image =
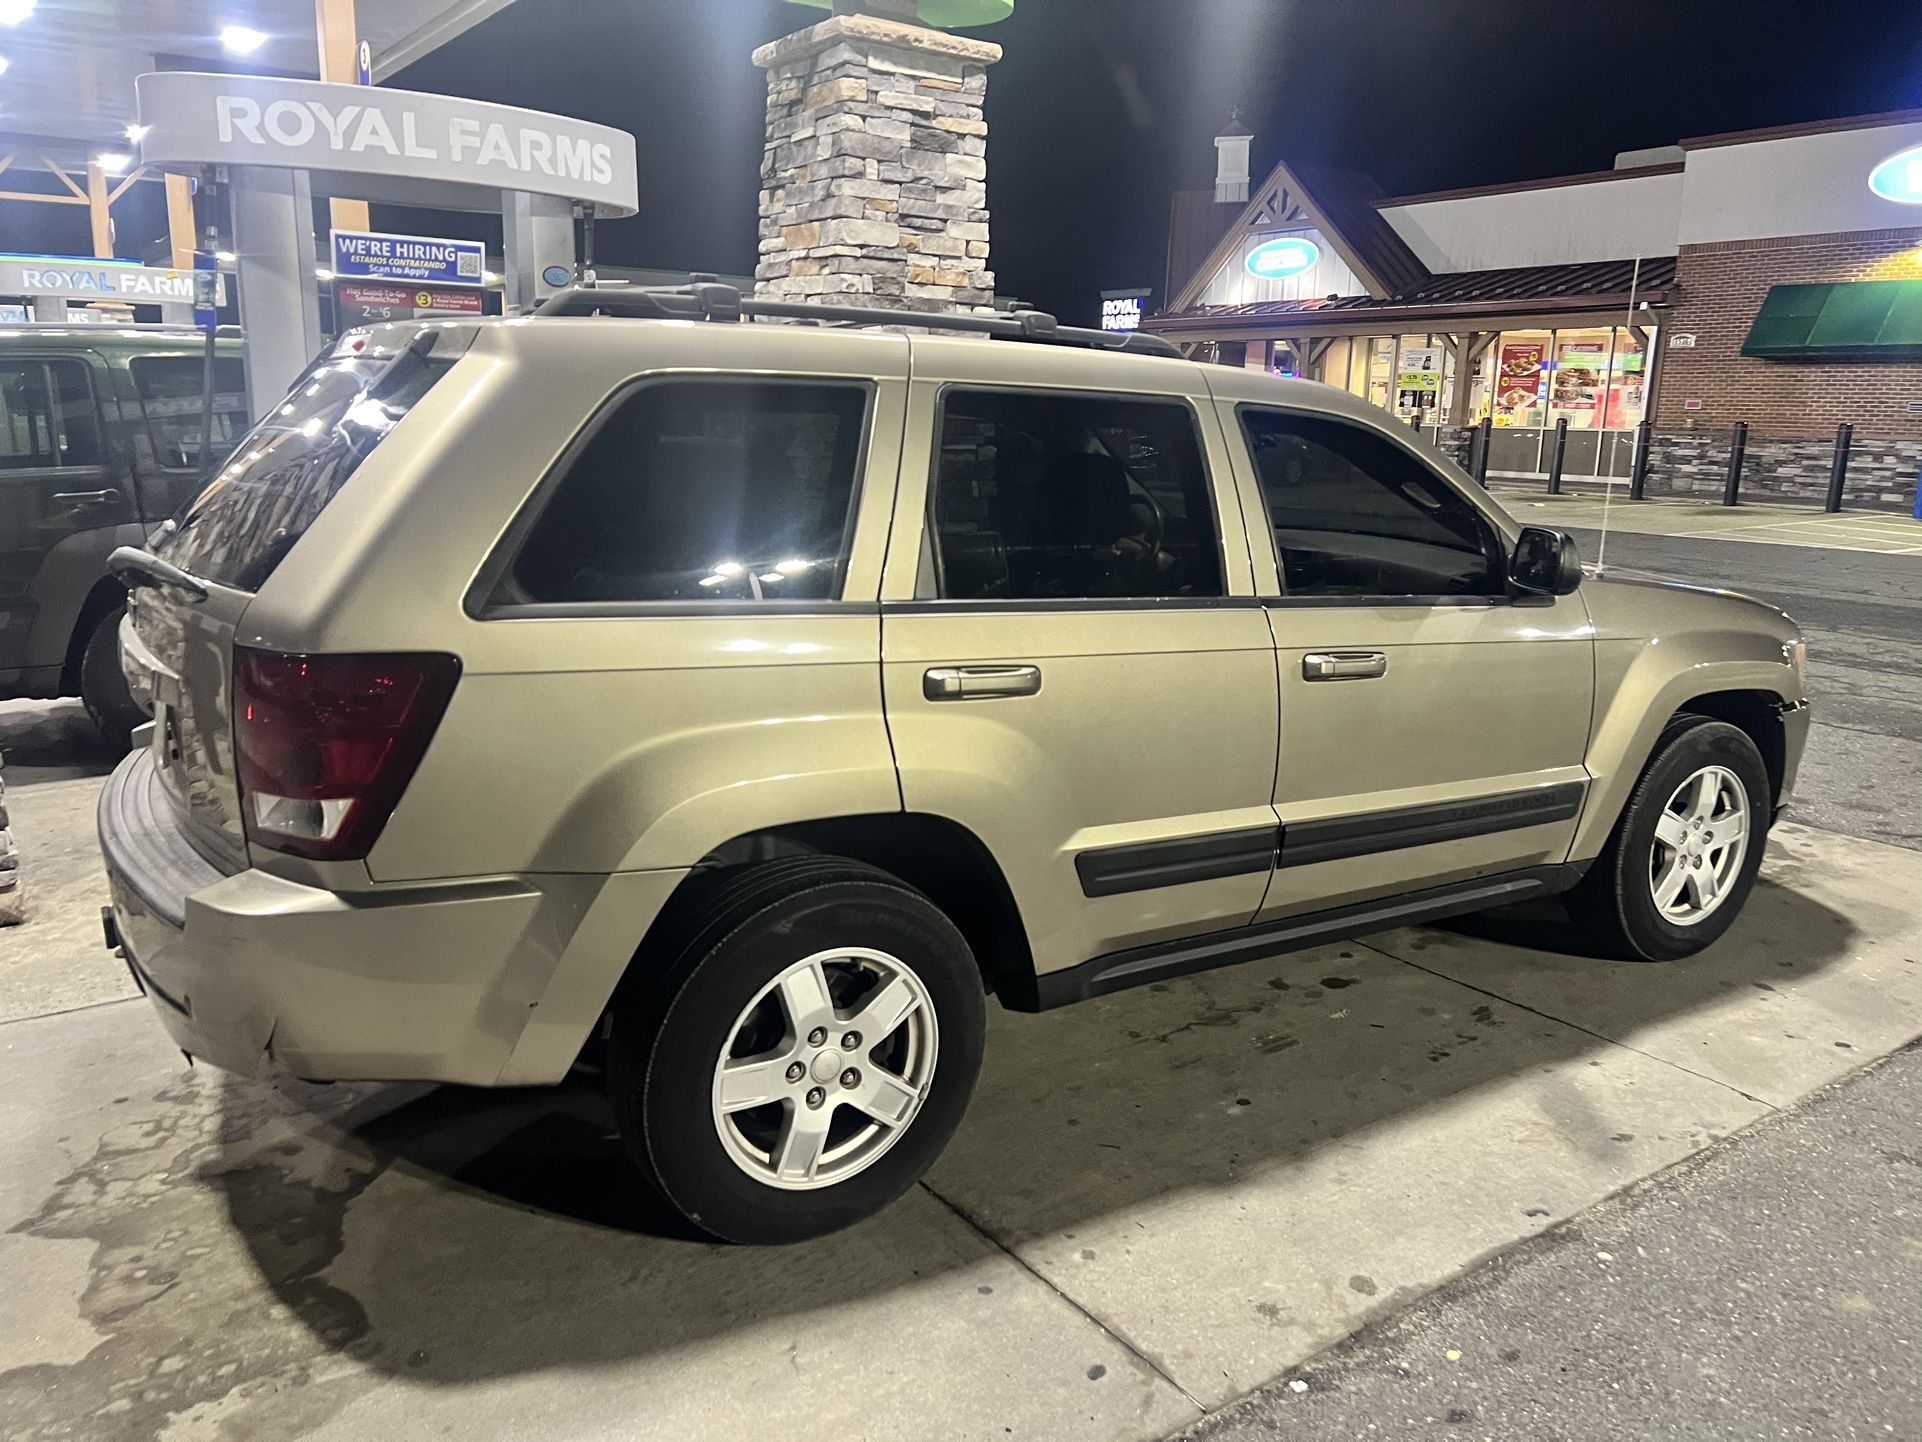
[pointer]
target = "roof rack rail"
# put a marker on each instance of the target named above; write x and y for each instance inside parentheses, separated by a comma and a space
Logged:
(704, 297)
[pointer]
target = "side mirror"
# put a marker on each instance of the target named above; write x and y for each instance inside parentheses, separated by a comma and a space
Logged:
(1545, 562)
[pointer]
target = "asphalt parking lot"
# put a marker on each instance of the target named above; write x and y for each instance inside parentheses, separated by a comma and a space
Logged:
(1160, 1200)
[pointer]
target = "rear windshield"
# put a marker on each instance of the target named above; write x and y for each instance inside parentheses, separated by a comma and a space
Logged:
(286, 470)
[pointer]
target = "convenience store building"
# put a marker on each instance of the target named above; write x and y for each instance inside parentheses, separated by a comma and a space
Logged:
(1772, 277)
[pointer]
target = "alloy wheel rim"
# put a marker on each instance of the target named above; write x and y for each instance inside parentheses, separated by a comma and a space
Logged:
(825, 1069)
(1701, 838)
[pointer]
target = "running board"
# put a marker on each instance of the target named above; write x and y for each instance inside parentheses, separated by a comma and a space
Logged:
(1120, 970)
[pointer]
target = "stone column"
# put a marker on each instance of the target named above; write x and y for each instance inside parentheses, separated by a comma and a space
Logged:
(874, 182)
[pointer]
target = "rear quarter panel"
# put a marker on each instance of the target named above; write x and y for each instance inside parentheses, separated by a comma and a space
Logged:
(601, 743)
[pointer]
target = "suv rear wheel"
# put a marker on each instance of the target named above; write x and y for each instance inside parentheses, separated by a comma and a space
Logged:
(806, 1054)
(1686, 850)
(103, 685)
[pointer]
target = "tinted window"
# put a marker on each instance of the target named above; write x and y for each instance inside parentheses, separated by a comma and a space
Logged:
(169, 387)
(1071, 496)
(293, 463)
(703, 491)
(47, 415)
(1356, 515)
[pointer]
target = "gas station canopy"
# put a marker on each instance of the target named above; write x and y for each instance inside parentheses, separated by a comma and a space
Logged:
(71, 71)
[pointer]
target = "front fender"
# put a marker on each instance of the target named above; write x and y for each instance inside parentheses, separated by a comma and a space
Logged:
(1657, 649)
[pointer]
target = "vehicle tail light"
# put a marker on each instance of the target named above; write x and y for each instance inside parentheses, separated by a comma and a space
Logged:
(325, 745)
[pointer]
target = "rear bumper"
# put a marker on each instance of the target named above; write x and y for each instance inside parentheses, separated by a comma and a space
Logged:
(434, 983)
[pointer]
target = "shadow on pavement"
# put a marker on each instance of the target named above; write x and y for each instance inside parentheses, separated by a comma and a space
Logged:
(467, 1235)
(51, 741)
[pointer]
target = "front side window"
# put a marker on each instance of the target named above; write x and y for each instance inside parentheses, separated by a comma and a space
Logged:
(170, 393)
(699, 490)
(1356, 515)
(1049, 495)
(47, 416)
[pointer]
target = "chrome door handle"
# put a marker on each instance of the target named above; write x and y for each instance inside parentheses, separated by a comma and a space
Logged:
(969, 683)
(87, 498)
(1344, 665)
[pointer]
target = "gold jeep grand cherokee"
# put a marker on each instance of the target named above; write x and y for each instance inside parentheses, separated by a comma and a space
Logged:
(748, 701)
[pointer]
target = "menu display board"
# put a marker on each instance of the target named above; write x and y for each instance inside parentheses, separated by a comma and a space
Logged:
(1520, 380)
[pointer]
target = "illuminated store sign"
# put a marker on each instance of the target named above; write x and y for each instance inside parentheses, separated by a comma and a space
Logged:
(1121, 310)
(1899, 178)
(1290, 255)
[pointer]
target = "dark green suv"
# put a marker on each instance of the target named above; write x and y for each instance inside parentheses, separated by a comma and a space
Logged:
(99, 442)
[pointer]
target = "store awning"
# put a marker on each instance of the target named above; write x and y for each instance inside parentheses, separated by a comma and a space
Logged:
(1463, 300)
(1861, 319)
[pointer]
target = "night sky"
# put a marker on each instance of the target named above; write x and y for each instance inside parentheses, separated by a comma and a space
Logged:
(1102, 107)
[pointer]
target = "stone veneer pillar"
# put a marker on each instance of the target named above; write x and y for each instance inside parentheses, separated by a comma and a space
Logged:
(874, 181)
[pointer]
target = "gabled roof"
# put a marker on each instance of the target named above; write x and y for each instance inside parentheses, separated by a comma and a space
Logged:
(1523, 290)
(1341, 205)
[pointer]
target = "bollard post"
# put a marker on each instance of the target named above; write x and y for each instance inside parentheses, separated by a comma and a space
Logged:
(1638, 472)
(1738, 447)
(1560, 455)
(1839, 467)
(1484, 433)
(1414, 421)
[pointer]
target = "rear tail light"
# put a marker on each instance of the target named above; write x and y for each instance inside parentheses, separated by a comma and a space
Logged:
(325, 745)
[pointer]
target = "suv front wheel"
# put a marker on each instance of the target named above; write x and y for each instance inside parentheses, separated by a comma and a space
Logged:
(1684, 855)
(806, 1054)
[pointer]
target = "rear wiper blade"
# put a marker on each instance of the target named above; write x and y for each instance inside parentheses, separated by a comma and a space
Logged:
(142, 568)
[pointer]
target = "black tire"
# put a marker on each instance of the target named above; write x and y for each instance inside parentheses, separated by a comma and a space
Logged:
(103, 685)
(673, 1021)
(1615, 901)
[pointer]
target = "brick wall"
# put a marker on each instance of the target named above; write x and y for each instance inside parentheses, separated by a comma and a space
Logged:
(1792, 407)
(1723, 286)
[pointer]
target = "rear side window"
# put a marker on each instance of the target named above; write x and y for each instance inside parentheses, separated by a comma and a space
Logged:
(170, 394)
(1061, 496)
(293, 463)
(47, 416)
(702, 490)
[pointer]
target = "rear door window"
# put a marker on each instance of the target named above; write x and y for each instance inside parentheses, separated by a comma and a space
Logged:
(293, 463)
(702, 491)
(170, 394)
(1055, 496)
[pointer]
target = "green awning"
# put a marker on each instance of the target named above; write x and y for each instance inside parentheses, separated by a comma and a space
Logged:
(1851, 320)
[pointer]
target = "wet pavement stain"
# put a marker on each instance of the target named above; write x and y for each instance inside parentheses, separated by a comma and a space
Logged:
(186, 1323)
(1336, 983)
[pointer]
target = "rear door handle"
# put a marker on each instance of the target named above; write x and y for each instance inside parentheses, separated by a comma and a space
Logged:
(87, 498)
(970, 683)
(1344, 665)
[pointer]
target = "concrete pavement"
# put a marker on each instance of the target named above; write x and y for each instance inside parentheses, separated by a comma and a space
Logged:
(1771, 1288)
(1159, 1201)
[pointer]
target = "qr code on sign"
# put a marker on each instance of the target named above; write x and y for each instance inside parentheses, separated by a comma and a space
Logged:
(468, 264)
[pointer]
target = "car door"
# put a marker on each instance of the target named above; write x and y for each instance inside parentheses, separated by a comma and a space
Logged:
(1433, 725)
(58, 481)
(1076, 668)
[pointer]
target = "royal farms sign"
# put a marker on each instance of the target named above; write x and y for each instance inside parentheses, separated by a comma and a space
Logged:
(383, 144)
